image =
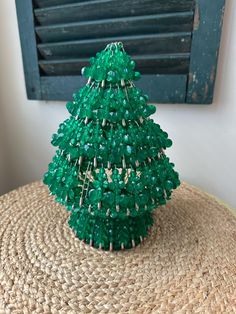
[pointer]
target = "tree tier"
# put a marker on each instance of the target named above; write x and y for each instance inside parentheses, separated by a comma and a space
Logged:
(112, 65)
(111, 104)
(118, 192)
(110, 234)
(112, 144)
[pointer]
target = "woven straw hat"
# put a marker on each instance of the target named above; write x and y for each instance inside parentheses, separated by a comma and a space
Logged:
(186, 265)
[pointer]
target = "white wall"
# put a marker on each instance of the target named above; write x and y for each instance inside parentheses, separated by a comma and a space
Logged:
(204, 136)
(4, 184)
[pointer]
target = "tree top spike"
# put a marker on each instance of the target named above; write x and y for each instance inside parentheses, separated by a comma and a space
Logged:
(117, 44)
(111, 65)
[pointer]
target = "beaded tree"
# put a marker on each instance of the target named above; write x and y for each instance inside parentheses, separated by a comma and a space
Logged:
(110, 169)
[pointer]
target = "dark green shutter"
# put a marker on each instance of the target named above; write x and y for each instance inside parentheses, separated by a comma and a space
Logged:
(174, 42)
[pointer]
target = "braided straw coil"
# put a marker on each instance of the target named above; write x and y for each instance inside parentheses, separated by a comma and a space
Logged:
(186, 265)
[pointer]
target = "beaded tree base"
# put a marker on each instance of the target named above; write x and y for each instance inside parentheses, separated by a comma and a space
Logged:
(110, 234)
(185, 265)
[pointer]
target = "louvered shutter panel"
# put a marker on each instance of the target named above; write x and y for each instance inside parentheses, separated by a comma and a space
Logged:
(59, 36)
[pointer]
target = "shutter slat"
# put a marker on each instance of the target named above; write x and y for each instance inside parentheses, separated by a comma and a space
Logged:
(51, 3)
(160, 23)
(161, 88)
(145, 44)
(100, 9)
(160, 64)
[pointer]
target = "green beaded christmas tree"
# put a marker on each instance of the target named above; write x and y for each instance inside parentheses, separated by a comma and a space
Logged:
(110, 169)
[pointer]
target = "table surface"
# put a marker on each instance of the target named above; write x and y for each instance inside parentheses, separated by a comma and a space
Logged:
(186, 265)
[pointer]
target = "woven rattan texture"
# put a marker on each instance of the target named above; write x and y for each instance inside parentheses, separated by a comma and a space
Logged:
(187, 265)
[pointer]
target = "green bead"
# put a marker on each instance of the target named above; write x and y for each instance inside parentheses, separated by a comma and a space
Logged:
(142, 198)
(129, 150)
(137, 75)
(96, 183)
(92, 60)
(169, 185)
(111, 76)
(99, 74)
(152, 109)
(132, 64)
(94, 195)
(126, 138)
(109, 198)
(168, 143)
(85, 71)
(123, 200)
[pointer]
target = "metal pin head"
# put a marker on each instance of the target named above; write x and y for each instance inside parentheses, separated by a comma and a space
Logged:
(89, 81)
(123, 163)
(165, 195)
(103, 122)
(95, 162)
